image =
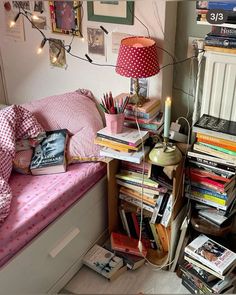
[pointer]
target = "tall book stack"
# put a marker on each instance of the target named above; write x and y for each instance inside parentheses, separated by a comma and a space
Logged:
(149, 116)
(211, 171)
(208, 267)
(125, 146)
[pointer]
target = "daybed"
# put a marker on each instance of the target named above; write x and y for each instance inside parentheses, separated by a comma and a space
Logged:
(54, 219)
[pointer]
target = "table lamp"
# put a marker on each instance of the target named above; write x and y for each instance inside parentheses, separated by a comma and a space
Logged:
(137, 58)
(164, 153)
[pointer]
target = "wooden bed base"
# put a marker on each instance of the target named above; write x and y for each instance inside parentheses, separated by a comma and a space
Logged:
(47, 263)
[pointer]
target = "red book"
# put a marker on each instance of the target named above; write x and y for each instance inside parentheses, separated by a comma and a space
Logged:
(123, 243)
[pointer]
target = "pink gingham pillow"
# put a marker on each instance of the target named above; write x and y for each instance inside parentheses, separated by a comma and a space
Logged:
(77, 112)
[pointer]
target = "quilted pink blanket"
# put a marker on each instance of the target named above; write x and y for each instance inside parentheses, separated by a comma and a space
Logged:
(15, 123)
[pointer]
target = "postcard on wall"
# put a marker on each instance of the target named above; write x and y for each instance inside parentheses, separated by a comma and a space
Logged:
(57, 53)
(17, 32)
(116, 39)
(40, 22)
(38, 6)
(21, 4)
(143, 84)
(96, 41)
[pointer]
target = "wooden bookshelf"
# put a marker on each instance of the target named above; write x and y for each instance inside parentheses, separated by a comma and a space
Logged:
(178, 199)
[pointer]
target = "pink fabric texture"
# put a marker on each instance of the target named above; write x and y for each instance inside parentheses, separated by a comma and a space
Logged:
(16, 123)
(77, 112)
(38, 200)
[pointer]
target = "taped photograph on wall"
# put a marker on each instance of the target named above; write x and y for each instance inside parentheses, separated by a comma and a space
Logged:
(120, 12)
(57, 54)
(96, 43)
(65, 17)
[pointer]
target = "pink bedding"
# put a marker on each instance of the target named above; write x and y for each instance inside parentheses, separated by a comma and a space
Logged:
(38, 200)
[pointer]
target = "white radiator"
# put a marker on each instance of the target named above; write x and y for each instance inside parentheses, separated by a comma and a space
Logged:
(219, 88)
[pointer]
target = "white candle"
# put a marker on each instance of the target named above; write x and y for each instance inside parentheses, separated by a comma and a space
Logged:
(167, 117)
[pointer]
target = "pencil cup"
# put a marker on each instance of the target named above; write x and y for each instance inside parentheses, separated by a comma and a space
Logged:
(115, 122)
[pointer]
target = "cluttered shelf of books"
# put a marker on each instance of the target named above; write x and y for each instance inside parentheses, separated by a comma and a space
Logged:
(168, 234)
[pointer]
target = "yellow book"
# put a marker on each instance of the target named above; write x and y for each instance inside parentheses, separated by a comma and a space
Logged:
(115, 145)
(209, 198)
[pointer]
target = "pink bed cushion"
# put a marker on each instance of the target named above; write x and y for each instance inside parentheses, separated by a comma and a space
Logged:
(77, 112)
(21, 162)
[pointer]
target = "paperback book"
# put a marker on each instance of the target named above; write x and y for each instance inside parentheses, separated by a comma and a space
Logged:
(211, 254)
(49, 155)
(102, 261)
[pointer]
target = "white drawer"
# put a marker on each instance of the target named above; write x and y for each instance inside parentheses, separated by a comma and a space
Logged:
(57, 248)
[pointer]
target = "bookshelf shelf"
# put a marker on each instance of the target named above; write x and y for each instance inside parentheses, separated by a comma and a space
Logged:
(177, 212)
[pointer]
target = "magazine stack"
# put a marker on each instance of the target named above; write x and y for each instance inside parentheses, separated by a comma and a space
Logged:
(208, 267)
(210, 173)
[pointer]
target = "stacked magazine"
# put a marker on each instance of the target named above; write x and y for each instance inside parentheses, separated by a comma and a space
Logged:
(208, 267)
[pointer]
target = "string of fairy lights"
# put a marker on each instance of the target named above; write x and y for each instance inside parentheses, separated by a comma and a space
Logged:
(74, 32)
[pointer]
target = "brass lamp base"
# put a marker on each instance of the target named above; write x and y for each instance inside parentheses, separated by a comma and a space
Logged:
(137, 99)
(164, 154)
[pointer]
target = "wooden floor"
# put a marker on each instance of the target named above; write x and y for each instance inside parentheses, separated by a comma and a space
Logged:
(144, 279)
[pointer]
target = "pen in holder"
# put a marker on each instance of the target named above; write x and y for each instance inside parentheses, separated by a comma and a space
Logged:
(114, 112)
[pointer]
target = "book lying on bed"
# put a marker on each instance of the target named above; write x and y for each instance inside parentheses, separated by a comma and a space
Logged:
(49, 155)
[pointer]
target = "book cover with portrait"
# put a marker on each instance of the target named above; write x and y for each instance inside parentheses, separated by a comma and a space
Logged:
(211, 254)
(49, 154)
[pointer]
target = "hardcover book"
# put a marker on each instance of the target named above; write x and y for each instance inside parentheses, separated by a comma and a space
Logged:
(123, 243)
(49, 154)
(102, 261)
(211, 254)
(216, 127)
(147, 107)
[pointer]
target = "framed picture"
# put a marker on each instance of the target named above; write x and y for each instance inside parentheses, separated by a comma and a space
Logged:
(65, 17)
(120, 12)
(96, 44)
(57, 53)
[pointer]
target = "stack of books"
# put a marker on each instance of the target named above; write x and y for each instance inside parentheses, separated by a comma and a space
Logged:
(203, 8)
(208, 267)
(149, 116)
(125, 146)
(140, 188)
(211, 171)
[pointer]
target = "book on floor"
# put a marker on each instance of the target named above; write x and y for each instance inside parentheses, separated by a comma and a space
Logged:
(211, 254)
(216, 127)
(123, 243)
(49, 154)
(103, 261)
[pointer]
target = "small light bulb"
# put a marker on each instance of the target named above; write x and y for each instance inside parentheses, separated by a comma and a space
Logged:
(35, 17)
(39, 50)
(54, 59)
(12, 24)
(82, 39)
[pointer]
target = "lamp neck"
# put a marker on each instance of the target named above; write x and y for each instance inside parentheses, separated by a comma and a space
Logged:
(136, 86)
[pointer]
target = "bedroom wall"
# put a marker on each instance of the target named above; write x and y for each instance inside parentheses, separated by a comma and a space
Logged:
(29, 76)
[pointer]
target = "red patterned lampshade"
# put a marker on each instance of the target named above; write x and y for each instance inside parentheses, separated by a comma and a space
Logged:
(137, 58)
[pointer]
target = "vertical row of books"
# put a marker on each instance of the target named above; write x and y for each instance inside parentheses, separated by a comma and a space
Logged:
(211, 171)
(208, 267)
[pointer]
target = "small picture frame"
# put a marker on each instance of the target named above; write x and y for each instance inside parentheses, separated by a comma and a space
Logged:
(96, 41)
(119, 12)
(65, 17)
(57, 53)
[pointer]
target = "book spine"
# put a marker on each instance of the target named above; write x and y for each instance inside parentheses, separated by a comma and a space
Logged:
(208, 197)
(120, 156)
(124, 222)
(189, 285)
(210, 193)
(146, 109)
(156, 237)
(135, 202)
(165, 221)
(116, 139)
(216, 141)
(223, 31)
(213, 133)
(207, 150)
(217, 148)
(164, 234)
(205, 181)
(146, 188)
(212, 161)
(204, 201)
(146, 181)
(148, 200)
(156, 209)
(224, 5)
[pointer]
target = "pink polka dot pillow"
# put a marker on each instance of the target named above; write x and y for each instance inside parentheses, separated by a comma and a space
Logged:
(77, 112)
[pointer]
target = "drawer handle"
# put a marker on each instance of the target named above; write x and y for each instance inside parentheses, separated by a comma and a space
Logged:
(62, 244)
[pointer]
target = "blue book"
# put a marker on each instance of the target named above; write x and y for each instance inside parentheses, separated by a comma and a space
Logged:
(210, 192)
(225, 5)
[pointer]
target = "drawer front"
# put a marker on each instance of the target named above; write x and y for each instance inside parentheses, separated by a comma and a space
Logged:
(59, 246)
